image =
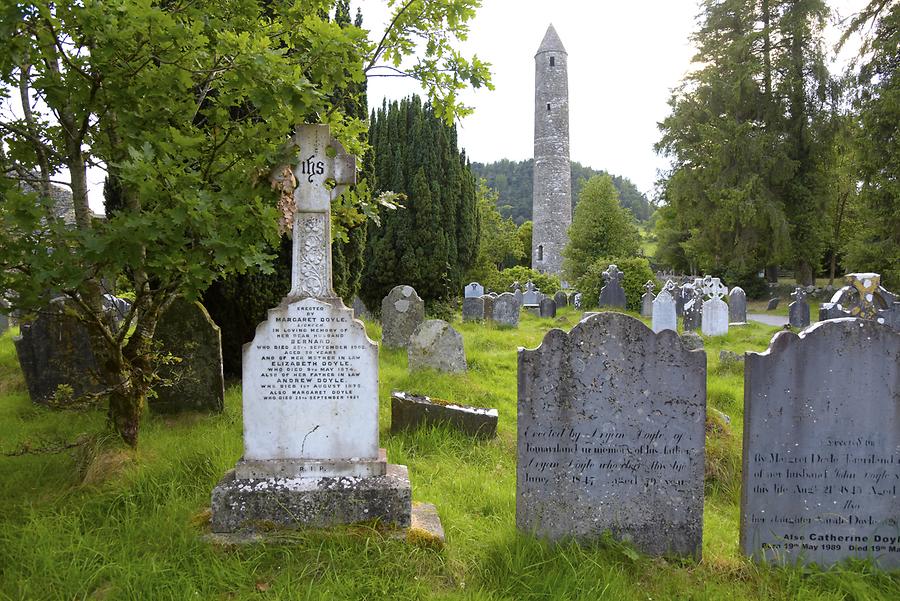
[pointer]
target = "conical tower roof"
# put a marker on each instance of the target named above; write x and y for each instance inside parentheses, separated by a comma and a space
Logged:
(551, 42)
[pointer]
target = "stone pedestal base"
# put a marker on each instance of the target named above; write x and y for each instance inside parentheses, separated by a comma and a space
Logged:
(260, 505)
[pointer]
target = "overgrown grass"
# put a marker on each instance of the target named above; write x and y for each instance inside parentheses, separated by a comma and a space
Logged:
(106, 523)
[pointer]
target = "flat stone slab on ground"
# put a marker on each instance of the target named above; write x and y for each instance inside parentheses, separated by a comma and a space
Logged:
(409, 411)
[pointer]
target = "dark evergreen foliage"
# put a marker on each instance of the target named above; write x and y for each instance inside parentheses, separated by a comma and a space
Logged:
(431, 242)
(514, 181)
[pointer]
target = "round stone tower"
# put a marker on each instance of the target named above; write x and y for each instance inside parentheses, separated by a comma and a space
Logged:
(552, 203)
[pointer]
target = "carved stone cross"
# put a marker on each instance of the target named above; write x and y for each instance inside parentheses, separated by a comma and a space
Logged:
(799, 294)
(650, 286)
(612, 275)
(714, 288)
(669, 287)
(323, 171)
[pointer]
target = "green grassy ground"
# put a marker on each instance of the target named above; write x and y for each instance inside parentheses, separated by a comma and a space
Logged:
(101, 522)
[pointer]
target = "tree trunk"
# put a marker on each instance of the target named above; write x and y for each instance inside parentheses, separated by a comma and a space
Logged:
(772, 274)
(803, 273)
(125, 408)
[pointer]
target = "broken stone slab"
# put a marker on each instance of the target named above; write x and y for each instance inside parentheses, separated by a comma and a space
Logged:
(409, 411)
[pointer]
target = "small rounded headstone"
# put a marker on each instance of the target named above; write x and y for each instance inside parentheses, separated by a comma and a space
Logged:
(436, 345)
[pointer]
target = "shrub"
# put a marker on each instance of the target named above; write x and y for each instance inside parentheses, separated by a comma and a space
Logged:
(548, 284)
(637, 271)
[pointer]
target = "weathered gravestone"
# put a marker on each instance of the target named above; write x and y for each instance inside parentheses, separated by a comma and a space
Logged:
(611, 422)
(473, 309)
(773, 304)
(474, 290)
(577, 300)
(401, 313)
(715, 312)
(693, 310)
(663, 310)
(548, 308)
(436, 345)
(56, 357)
(798, 311)
(821, 465)
(647, 299)
(310, 386)
(196, 381)
(488, 306)
(684, 295)
(520, 297)
(506, 310)
(612, 294)
(561, 299)
(737, 305)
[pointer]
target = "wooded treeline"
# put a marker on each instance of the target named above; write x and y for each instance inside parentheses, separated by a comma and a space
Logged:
(777, 162)
(514, 182)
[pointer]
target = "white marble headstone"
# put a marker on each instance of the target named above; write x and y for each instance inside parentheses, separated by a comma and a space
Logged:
(664, 316)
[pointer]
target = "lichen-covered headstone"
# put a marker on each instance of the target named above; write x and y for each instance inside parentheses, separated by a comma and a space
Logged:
(773, 304)
(821, 463)
(693, 310)
(436, 345)
(612, 294)
(520, 297)
(647, 299)
(862, 296)
(196, 381)
(474, 290)
(663, 310)
(692, 341)
(561, 299)
(798, 311)
(488, 306)
(473, 309)
(506, 311)
(737, 305)
(611, 421)
(548, 308)
(714, 321)
(401, 313)
(684, 295)
(56, 356)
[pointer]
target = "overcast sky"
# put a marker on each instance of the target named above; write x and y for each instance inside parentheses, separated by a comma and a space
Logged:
(624, 59)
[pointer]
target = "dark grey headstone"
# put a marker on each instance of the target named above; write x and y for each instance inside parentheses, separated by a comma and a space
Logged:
(506, 310)
(548, 308)
(890, 316)
(798, 311)
(56, 356)
(612, 294)
(611, 422)
(360, 311)
(196, 382)
(684, 294)
(647, 304)
(409, 411)
(693, 311)
(821, 469)
(520, 297)
(561, 299)
(473, 309)
(773, 304)
(692, 341)
(737, 305)
(401, 313)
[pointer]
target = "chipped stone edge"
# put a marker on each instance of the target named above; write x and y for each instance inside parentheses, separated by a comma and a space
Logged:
(490, 412)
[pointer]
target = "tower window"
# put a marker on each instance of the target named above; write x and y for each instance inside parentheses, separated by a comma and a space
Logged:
(540, 252)
(552, 61)
(548, 106)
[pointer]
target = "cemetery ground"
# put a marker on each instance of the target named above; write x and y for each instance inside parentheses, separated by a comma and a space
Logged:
(100, 522)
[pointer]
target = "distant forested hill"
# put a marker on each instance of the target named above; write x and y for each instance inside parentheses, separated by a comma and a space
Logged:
(514, 182)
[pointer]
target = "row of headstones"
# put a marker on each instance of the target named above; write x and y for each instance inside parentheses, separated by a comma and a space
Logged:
(611, 438)
(59, 364)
